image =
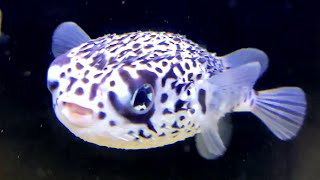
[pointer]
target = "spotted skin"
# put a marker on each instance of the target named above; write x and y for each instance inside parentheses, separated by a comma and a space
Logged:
(103, 74)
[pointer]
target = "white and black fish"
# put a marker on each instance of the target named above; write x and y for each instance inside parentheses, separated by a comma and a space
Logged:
(148, 89)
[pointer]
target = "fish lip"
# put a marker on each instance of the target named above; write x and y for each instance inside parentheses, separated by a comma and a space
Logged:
(77, 109)
(77, 115)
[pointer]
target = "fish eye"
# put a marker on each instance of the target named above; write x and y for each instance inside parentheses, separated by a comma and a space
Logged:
(142, 99)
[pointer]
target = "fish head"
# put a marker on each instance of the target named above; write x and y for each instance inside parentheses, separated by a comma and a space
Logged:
(113, 102)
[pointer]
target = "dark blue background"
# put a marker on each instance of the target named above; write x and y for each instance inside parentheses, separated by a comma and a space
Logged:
(34, 145)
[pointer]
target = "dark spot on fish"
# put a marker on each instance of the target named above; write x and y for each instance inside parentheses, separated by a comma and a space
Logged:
(174, 132)
(202, 60)
(164, 63)
(178, 46)
(158, 70)
(99, 61)
(190, 75)
(147, 40)
(97, 75)
(188, 92)
(163, 43)
(166, 111)
(160, 51)
(181, 118)
(162, 134)
(176, 39)
(175, 125)
(105, 77)
(199, 76)
(86, 72)
(149, 65)
(93, 91)
(187, 86)
(194, 64)
(62, 75)
(124, 52)
(79, 91)
(173, 84)
(138, 51)
(79, 66)
(251, 102)
(112, 60)
(163, 125)
(112, 83)
(53, 85)
(169, 74)
(128, 60)
(112, 123)
(148, 46)
(164, 97)
(141, 134)
(180, 68)
(101, 115)
(136, 45)
(179, 88)
(179, 57)
(170, 57)
(72, 81)
(186, 65)
(157, 58)
(85, 80)
(192, 111)
(202, 100)
(130, 132)
(178, 105)
(69, 70)
(100, 105)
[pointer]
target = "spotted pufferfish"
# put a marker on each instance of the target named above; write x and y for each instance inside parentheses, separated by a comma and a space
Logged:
(142, 90)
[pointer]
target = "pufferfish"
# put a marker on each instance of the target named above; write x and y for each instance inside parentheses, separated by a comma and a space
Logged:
(148, 89)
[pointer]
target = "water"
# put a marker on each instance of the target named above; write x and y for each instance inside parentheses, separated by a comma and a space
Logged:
(34, 145)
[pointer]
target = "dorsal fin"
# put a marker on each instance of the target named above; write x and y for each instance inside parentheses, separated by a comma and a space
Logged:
(244, 56)
(67, 36)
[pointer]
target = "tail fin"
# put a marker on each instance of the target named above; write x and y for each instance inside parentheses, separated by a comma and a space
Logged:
(282, 110)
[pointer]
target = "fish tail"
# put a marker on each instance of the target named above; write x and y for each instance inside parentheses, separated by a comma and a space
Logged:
(282, 110)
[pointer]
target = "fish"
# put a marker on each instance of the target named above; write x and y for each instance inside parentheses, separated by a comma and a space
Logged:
(148, 89)
(4, 38)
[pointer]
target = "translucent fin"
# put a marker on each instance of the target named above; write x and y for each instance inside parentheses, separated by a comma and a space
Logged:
(243, 76)
(244, 56)
(213, 139)
(67, 36)
(282, 110)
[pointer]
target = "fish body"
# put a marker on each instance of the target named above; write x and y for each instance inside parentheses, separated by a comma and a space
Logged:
(141, 90)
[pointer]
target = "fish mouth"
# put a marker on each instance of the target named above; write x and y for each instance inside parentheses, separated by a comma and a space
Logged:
(77, 115)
